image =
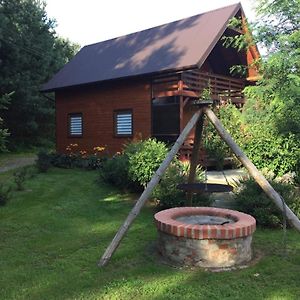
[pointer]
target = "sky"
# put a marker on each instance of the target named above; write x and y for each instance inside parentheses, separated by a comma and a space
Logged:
(90, 21)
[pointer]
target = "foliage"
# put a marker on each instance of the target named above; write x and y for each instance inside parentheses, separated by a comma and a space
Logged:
(135, 166)
(252, 199)
(213, 144)
(43, 161)
(4, 101)
(4, 194)
(257, 136)
(185, 170)
(114, 171)
(167, 192)
(144, 162)
(30, 53)
(270, 119)
(278, 153)
(67, 161)
(66, 219)
(19, 178)
(74, 158)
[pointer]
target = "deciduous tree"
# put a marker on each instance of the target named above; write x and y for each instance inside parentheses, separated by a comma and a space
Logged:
(30, 52)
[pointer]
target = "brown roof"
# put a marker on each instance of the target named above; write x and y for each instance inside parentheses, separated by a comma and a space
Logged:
(177, 45)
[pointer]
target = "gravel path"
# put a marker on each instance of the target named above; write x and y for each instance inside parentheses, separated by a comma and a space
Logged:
(17, 163)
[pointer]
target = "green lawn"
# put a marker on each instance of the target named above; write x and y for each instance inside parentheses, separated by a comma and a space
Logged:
(53, 233)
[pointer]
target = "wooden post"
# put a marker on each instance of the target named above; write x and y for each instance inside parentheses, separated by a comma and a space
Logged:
(148, 190)
(259, 178)
(181, 113)
(195, 157)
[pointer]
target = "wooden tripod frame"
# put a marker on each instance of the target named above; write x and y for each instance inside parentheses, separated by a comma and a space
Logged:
(197, 120)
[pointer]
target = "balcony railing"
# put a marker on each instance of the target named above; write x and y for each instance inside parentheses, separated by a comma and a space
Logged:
(192, 83)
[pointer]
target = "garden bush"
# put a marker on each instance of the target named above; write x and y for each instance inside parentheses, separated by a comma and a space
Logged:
(278, 153)
(254, 130)
(167, 192)
(145, 160)
(73, 159)
(44, 161)
(19, 178)
(252, 199)
(213, 144)
(115, 171)
(135, 166)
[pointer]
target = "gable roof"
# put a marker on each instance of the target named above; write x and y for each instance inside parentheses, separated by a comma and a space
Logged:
(173, 46)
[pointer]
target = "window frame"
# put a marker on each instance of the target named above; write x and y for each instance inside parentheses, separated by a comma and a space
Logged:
(120, 112)
(70, 115)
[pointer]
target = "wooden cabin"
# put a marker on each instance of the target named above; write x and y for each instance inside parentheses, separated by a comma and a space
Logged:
(143, 84)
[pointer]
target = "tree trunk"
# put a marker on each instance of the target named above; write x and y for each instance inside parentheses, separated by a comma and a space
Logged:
(195, 158)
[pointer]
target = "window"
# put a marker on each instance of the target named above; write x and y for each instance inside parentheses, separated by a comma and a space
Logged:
(166, 119)
(75, 124)
(123, 122)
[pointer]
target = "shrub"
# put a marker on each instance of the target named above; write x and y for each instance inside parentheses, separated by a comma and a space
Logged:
(62, 160)
(255, 132)
(167, 192)
(144, 158)
(68, 161)
(4, 194)
(278, 153)
(44, 161)
(135, 166)
(213, 144)
(19, 178)
(115, 171)
(252, 199)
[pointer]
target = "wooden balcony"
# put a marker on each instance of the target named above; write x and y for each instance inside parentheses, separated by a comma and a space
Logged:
(191, 83)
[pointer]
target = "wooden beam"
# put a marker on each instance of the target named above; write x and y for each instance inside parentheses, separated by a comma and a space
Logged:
(176, 93)
(148, 190)
(181, 105)
(259, 178)
(186, 101)
(195, 157)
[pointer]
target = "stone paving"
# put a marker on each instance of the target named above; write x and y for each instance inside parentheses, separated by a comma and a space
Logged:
(230, 175)
(17, 163)
(225, 200)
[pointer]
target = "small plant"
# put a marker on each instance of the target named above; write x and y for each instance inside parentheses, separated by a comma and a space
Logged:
(4, 194)
(185, 171)
(44, 161)
(19, 178)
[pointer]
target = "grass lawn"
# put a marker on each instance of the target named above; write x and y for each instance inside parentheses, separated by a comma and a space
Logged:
(53, 233)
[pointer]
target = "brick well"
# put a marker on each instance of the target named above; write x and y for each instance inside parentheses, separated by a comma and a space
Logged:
(205, 245)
